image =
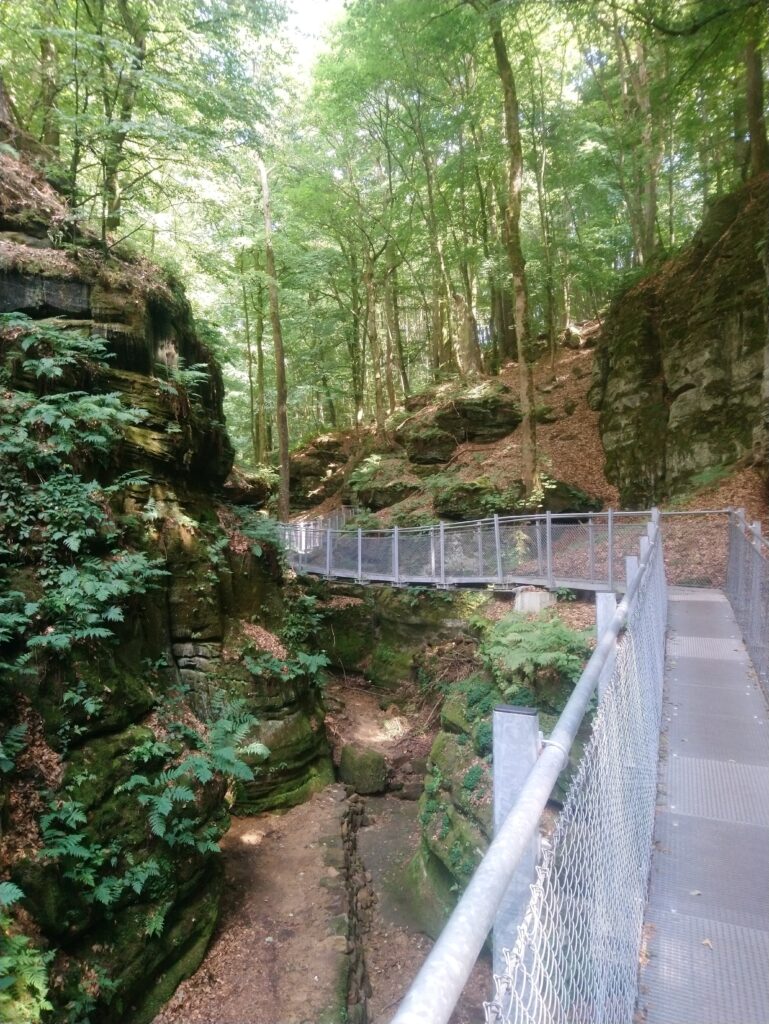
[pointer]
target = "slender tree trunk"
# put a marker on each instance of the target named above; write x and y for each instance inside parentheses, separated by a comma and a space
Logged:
(394, 326)
(354, 347)
(119, 120)
(50, 133)
(262, 438)
(512, 234)
(373, 342)
(389, 369)
(759, 146)
(250, 368)
(281, 390)
(468, 352)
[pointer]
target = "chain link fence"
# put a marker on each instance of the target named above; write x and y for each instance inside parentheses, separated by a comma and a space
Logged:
(747, 587)
(575, 959)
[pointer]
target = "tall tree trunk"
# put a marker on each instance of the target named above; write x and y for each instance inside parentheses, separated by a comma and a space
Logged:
(354, 344)
(262, 437)
(50, 133)
(512, 235)
(119, 119)
(373, 342)
(759, 146)
(394, 325)
(389, 368)
(468, 352)
(249, 366)
(281, 400)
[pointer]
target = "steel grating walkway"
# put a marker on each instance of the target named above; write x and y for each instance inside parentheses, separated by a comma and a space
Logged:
(707, 919)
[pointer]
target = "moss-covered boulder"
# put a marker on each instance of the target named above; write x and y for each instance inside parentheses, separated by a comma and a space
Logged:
(426, 444)
(560, 497)
(363, 769)
(449, 416)
(381, 480)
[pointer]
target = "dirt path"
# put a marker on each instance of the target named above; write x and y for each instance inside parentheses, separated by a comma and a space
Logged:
(273, 960)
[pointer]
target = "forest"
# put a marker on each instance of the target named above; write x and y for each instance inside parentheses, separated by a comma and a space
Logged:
(452, 186)
(341, 343)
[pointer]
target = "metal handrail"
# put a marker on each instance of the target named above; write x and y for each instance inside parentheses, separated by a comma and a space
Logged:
(436, 989)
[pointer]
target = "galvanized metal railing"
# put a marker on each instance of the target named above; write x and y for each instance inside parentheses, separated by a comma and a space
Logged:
(581, 552)
(747, 587)
(575, 954)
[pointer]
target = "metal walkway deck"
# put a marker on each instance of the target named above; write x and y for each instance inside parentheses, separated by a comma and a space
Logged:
(707, 919)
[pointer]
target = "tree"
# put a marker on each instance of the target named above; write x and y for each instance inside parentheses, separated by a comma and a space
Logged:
(512, 235)
(277, 340)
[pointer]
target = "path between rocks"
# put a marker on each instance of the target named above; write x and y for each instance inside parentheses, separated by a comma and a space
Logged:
(277, 956)
(274, 958)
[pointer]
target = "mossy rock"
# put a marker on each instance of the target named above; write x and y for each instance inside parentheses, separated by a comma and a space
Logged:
(363, 769)
(561, 497)
(454, 715)
(346, 633)
(485, 412)
(391, 665)
(463, 500)
(280, 795)
(428, 891)
(456, 842)
(299, 763)
(426, 444)
(147, 970)
(377, 495)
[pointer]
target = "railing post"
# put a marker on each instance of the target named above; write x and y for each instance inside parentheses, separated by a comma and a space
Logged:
(631, 570)
(610, 543)
(591, 547)
(516, 740)
(328, 551)
(433, 571)
(360, 554)
(442, 552)
(479, 531)
(498, 549)
(605, 610)
(755, 589)
(549, 548)
(396, 563)
(538, 533)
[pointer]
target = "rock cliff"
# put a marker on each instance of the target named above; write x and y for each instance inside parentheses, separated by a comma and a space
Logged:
(683, 358)
(146, 694)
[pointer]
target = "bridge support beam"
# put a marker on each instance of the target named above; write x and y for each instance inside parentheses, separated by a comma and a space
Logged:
(517, 742)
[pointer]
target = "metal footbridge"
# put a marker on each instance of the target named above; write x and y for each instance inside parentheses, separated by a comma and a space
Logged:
(648, 901)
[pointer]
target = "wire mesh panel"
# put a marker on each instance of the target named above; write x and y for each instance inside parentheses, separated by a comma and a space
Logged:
(696, 545)
(344, 553)
(463, 546)
(524, 548)
(377, 555)
(573, 554)
(575, 958)
(747, 587)
(418, 559)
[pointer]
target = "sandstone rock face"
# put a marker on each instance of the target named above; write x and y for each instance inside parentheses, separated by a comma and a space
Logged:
(683, 355)
(110, 710)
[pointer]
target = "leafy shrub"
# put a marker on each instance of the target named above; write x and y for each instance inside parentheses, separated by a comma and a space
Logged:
(51, 518)
(534, 661)
(23, 967)
(474, 776)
